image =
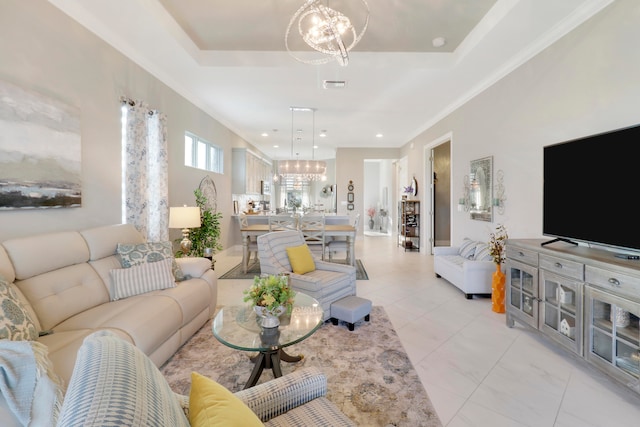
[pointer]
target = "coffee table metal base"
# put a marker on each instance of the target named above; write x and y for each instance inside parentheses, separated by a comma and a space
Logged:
(269, 359)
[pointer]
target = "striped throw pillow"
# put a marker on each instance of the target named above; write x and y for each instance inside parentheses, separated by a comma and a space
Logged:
(140, 279)
(467, 248)
(482, 252)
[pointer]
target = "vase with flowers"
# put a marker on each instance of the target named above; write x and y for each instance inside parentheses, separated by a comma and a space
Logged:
(271, 296)
(497, 242)
(371, 212)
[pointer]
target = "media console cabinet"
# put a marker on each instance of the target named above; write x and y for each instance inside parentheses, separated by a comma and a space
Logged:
(585, 299)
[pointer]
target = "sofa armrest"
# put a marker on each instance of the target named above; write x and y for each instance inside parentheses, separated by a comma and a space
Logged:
(275, 397)
(193, 266)
(445, 250)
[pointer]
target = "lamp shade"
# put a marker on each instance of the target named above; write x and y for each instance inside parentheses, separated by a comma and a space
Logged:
(184, 217)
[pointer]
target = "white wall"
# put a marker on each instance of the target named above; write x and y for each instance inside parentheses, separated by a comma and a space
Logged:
(586, 83)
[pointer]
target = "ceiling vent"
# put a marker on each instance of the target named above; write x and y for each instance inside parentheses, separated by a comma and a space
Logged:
(334, 84)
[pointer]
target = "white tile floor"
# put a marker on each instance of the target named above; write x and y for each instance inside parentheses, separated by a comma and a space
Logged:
(476, 371)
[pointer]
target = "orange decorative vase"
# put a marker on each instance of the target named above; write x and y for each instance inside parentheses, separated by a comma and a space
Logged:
(497, 290)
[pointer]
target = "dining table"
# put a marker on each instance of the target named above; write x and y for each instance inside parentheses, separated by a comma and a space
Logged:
(330, 230)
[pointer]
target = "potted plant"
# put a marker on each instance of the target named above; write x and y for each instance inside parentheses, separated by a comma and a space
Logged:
(205, 240)
(271, 297)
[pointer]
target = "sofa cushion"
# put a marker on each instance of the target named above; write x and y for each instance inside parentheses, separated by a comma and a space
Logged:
(467, 248)
(15, 321)
(132, 255)
(482, 252)
(114, 383)
(60, 294)
(58, 250)
(103, 241)
(211, 404)
(140, 279)
(301, 259)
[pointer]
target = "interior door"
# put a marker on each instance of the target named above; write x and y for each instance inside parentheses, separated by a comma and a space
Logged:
(439, 172)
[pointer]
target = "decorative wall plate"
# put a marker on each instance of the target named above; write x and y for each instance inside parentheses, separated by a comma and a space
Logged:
(208, 188)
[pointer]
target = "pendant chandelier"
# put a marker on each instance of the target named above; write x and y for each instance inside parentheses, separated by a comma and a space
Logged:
(302, 170)
(325, 30)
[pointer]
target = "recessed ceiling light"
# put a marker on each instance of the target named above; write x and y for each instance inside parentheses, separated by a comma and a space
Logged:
(323, 133)
(265, 134)
(439, 42)
(379, 135)
(315, 147)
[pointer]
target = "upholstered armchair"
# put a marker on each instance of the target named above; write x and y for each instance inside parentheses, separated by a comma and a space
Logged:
(329, 282)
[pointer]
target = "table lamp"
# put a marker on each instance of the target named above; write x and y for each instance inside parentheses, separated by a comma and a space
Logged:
(184, 217)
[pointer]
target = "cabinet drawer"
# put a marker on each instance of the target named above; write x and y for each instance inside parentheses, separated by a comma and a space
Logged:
(566, 268)
(621, 284)
(523, 255)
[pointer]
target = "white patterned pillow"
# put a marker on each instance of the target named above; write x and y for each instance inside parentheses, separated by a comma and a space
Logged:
(15, 322)
(467, 249)
(132, 255)
(114, 383)
(140, 279)
(482, 252)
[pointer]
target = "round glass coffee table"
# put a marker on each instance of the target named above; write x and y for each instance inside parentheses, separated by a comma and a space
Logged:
(239, 327)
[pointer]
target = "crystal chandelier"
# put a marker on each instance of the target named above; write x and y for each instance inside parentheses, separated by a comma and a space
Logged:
(325, 30)
(302, 170)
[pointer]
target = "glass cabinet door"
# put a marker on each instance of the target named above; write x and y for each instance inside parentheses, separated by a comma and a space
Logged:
(561, 310)
(613, 334)
(522, 293)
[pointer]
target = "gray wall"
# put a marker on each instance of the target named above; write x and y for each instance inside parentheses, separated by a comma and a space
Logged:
(45, 51)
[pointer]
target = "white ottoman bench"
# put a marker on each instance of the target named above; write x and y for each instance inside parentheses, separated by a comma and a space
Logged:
(350, 309)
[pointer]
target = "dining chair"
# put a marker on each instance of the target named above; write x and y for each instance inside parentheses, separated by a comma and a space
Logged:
(339, 244)
(282, 222)
(328, 282)
(312, 228)
(252, 243)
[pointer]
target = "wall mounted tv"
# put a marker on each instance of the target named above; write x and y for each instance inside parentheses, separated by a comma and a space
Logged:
(590, 186)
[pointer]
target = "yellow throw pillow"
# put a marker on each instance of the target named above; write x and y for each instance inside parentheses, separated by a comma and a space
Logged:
(301, 259)
(210, 404)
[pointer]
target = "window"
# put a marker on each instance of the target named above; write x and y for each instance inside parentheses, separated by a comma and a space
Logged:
(201, 154)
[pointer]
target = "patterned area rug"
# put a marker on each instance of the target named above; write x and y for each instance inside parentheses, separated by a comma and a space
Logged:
(254, 269)
(370, 377)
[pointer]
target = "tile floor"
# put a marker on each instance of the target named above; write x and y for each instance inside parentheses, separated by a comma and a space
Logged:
(476, 371)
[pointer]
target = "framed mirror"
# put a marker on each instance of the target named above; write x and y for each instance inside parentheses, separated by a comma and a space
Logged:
(350, 197)
(481, 189)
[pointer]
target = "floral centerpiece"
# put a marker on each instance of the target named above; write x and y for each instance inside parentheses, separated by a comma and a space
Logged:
(497, 242)
(271, 295)
(371, 212)
(408, 190)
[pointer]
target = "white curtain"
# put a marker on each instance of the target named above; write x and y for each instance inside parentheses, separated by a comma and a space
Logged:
(145, 194)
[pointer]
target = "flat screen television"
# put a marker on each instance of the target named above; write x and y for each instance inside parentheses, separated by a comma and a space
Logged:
(590, 186)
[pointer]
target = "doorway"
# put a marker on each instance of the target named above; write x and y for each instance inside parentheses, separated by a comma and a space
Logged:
(438, 169)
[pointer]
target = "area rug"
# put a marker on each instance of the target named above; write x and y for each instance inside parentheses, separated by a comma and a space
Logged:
(370, 377)
(254, 269)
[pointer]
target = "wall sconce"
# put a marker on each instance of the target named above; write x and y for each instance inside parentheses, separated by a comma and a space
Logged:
(185, 217)
(464, 203)
(499, 199)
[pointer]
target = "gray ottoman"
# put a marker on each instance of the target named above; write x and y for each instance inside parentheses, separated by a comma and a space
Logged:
(350, 309)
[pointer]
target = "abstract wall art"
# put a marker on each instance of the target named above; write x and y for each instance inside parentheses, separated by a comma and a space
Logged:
(40, 151)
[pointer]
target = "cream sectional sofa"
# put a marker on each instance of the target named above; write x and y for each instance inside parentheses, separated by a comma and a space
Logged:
(64, 281)
(469, 266)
